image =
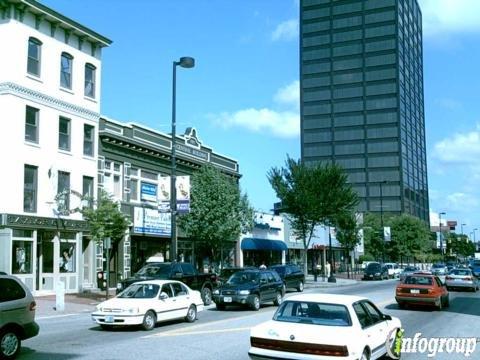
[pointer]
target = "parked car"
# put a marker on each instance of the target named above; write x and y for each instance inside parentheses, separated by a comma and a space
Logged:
(184, 272)
(251, 288)
(147, 302)
(292, 276)
(422, 289)
(393, 270)
(409, 270)
(475, 267)
(461, 278)
(324, 326)
(365, 264)
(17, 315)
(375, 271)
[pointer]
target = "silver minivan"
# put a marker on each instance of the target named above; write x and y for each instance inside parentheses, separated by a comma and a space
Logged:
(17, 315)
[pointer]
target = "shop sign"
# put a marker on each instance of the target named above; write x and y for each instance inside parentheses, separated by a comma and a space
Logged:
(150, 221)
(148, 192)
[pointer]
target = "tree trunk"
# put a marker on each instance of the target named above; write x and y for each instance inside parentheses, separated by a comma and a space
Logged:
(305, 263)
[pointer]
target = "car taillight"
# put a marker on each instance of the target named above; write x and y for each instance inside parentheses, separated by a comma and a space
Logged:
(467, 278)
(448, 278)
(33, 306)
(430, 291)
(399, 290)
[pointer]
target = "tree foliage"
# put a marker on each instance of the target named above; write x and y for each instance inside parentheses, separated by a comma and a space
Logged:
(459, 245)
(105, 219)
(373, 244)
(347, 230)
(410, 237)
(311, 195)
(219, 213)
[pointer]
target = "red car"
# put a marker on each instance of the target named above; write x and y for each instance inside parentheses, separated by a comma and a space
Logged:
(422, 289)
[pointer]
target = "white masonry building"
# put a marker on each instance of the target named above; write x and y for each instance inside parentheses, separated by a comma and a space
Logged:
(50, 70)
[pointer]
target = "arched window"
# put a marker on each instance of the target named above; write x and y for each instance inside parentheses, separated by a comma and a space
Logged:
(34, 55)
(66, 64)
(90, 71)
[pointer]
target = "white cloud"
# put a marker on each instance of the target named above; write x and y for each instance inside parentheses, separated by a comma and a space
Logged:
(289, 95)
(447, 16)
(284, 123)
(287, 30)
(459, 149)
(460, 201)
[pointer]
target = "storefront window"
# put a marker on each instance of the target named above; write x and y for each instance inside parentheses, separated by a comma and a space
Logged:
(47, 257)
(22, 257)
(67, 261)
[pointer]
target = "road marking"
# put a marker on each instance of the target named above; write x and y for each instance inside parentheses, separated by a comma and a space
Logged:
(201, 332)
(212, 323)
(59, 316)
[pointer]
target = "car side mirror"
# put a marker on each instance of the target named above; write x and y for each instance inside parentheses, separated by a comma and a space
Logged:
(387, 317)
(163, 296)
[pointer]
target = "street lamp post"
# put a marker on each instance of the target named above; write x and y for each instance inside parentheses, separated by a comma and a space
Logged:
(474, 239)
(331, 278)
(382, 235)
(441, 236)
(185, 62)
(461, 226)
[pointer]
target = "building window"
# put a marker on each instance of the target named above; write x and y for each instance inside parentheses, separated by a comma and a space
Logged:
(64, 134)
(66, 63)
(134, 184)
(90, 71)
(30, 189)
(31, 124)
(112, 179)
(88, 191)
(22, 257)
(63, 192)
(34, 55)
(88, 139)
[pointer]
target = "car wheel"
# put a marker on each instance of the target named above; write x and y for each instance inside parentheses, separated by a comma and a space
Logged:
(9, 344)
(440, 304)
(220, 306)
(191, 314)
(447, 302)
(255, 304)
(300, 286)
(278, 299)
(365, 355)
(149, 320)
(206, 296)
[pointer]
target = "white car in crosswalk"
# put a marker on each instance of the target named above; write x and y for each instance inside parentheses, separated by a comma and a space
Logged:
(147, 302)
(325, 326)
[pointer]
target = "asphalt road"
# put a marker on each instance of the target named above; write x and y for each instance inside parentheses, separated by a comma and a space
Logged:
(225, 334)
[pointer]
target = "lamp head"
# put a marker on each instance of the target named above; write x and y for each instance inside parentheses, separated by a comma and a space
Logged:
(186, 62)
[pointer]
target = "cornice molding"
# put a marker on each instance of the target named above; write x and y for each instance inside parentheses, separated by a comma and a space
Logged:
(43, 99)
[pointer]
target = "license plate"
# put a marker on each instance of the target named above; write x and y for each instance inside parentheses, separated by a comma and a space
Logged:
(109, 319)
(457, 279)
(227, 299)
(413, 291)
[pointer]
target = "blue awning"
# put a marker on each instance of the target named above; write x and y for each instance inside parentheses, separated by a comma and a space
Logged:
(263, 244)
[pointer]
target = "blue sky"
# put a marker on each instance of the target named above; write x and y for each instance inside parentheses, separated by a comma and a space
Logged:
(242, 96)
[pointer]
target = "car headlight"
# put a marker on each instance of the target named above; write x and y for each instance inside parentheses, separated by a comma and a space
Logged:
(133, 310)
(377, 274)
(119, 286)
(99, 308)
(216, 292)
(244, 292)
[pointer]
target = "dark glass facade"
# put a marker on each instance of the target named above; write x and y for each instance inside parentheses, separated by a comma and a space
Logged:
(362, 98)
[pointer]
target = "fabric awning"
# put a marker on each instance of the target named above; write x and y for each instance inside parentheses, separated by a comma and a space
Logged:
(263, 244)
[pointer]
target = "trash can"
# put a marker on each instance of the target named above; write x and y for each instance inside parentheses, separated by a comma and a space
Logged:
(101, 281)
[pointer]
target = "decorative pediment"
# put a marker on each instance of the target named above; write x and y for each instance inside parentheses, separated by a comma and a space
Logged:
(191, 138)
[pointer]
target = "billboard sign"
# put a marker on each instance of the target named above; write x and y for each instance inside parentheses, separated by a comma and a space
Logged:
(164, 194)
(183, 194)
(387, 234)
(150, 221)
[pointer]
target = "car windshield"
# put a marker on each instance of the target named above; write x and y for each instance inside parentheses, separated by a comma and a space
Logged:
(373, 266)
(410, 268)
(243, 277)
(156, 270)
(279, 269)
(461, 272)
(418, 280)
(313, 313)
(140, 291)
(226, 273)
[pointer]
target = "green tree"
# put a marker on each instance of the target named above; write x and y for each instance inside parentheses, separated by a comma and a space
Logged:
(373, 242)
(347, 233)
(219, 213)
(105, 219)
(312, 195)
(459, 245)
(410, 236)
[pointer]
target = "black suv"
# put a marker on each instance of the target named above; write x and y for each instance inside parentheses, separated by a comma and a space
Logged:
(291, 275)
(251, 288)
(375, 271)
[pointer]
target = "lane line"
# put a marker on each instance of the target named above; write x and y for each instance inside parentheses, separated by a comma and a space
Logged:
(200, 332)
(59, 316)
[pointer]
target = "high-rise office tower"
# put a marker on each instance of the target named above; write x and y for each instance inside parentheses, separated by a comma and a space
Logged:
(362, 98)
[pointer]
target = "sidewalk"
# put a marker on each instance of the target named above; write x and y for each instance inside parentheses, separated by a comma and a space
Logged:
(323, 282)
(74, 304)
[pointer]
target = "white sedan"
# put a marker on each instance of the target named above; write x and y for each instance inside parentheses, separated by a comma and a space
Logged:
(147, 302)
(325, 326)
